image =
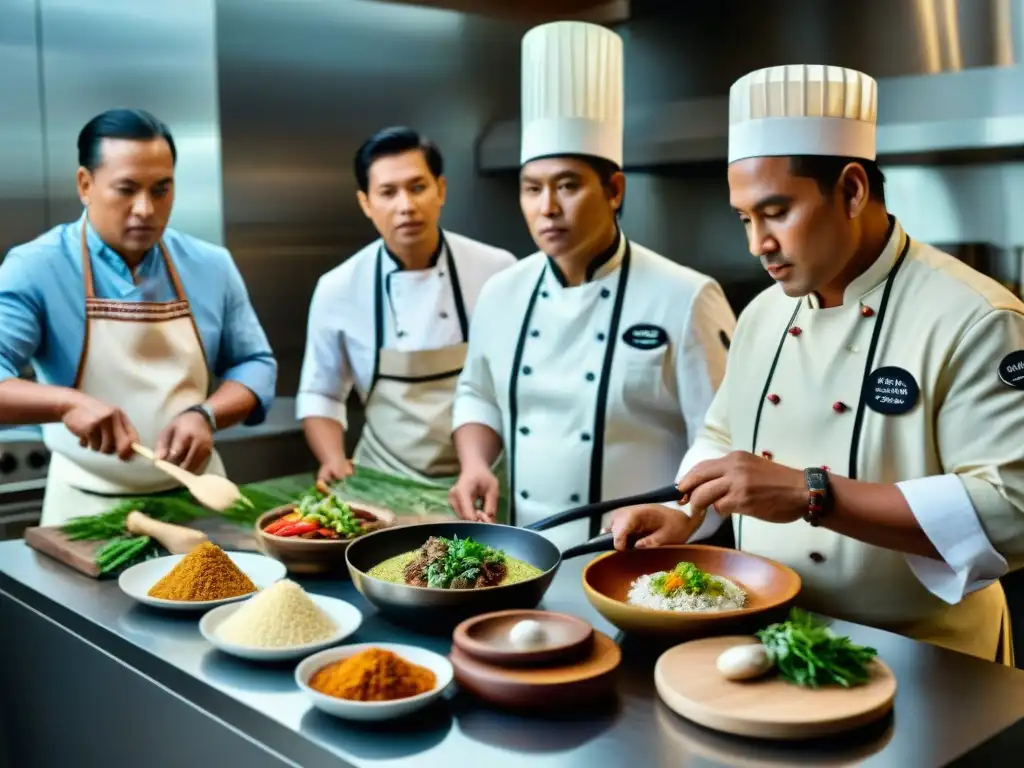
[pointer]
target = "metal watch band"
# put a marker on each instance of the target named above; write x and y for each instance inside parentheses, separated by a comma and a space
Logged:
(819, 495)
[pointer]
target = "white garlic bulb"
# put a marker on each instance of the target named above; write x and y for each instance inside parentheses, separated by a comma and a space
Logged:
(744, 662)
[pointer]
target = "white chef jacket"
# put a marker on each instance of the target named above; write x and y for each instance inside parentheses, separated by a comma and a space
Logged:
(421, 312)
(957, 454)
(598, 389)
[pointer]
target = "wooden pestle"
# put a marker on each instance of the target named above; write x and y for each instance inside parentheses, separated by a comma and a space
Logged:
(176, 539)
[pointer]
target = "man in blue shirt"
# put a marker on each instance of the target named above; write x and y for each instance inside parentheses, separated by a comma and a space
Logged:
(127, 324)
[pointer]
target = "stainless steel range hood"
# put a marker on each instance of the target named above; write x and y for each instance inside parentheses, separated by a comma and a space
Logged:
(944, 100)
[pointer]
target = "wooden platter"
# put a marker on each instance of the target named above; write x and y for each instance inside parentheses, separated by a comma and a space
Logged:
(689, 683)
(546, 687)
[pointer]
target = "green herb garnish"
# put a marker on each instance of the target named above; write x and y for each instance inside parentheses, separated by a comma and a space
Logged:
(809, 654)
(689, 579)
(462, 562)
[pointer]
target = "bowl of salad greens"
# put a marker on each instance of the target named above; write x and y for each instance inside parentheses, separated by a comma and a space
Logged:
(310, 536)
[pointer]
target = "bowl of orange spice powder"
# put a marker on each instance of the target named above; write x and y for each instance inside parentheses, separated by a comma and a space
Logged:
(373, 681)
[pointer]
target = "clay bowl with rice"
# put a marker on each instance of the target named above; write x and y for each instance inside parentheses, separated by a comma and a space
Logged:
(689, 590)
(310, 536)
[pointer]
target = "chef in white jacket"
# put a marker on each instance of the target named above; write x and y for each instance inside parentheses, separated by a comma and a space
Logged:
(870, 429)
(594, 360)
(393, 321)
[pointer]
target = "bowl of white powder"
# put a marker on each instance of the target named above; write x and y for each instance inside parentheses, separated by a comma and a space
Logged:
(279, 623)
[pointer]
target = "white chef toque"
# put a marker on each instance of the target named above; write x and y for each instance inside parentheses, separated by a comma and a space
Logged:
(803, 109)
(572, 92)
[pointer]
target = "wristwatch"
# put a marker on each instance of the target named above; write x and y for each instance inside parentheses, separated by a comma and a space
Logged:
(207, 413)
(819, 495)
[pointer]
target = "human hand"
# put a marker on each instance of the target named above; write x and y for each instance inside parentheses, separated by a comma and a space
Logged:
(475, 483)
(743, 484)
(335, 469)
(187, 441)
(99, 426)
(652, 525)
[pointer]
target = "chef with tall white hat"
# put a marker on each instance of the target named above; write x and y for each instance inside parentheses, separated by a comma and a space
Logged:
(593, 361)
(870, 429)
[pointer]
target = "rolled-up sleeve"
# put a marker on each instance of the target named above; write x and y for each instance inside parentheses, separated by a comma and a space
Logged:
(475, 398)
(245, 354)
(974, 513)
(326, 379)
(21, 313)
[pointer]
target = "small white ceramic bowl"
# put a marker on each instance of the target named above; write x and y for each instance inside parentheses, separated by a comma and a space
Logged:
(345, 615)
(374, 710)
(139, 579)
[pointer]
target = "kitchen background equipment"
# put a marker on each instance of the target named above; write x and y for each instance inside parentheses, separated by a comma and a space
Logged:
(767, 708)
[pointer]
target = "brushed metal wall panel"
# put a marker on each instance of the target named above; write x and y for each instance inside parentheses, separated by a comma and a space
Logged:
(122, 53)
(22, 182)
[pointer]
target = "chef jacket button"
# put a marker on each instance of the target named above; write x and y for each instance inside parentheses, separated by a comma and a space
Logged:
(774, 399)
(795, 330)
(585, 437)
(839, 407)
(543, 294)
(817, 557)
(527, 370)
(440, 273)
(600, 337)
(867, 311)
(535, 333)
(590, 376)
(444, 315)
(575, 497)
(524, 494)
(400, 334)
(605, 293)
(524, 430)
(851, 348)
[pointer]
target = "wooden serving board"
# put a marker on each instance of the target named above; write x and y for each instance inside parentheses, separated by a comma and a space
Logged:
(690, 684)
(81, 555)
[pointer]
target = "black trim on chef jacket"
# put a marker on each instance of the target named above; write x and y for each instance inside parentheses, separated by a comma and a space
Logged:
(597, 434)
(381, 292)
(868, 367)
(595, 264)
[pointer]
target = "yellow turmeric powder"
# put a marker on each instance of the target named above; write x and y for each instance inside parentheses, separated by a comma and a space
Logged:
(372, 675)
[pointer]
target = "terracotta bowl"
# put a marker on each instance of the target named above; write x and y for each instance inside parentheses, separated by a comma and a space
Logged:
(770, 588)
(486, 638)
(309, 557)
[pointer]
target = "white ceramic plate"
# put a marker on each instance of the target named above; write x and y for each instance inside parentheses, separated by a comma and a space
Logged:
(345, 615)
(374, 710)
(139, 579)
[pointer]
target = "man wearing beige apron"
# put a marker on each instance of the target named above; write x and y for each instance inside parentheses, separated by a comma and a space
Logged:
(392, 321)
(126, 323)
(870, 429)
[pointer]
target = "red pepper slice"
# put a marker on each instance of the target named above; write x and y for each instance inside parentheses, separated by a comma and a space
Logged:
(295, 529)
(282, 522)
(328, 533)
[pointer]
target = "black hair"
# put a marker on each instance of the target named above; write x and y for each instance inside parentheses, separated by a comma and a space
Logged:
(395, 141)
(119, 124)
(826, 171)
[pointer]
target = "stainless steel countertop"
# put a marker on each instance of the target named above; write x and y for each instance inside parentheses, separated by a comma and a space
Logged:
(947, 703)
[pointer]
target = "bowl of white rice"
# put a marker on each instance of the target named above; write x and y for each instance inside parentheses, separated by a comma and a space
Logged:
(688, 590)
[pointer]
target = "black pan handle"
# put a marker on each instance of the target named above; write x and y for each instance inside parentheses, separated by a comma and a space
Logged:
(587, 511)
(603, 543)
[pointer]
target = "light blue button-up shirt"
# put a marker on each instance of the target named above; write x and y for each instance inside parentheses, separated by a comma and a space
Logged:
(42, 306)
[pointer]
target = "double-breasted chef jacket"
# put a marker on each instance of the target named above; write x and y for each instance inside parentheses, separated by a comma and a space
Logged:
(916, 379)
(399, 337)
(597, 389)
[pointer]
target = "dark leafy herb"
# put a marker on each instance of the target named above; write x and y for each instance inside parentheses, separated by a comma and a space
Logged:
(462, 562)
(806, 652)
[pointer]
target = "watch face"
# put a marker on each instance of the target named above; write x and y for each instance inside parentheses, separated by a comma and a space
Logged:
(816, 479)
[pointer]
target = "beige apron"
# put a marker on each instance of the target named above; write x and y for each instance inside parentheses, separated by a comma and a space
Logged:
(408, 429)
(887, 594)
(146, 358)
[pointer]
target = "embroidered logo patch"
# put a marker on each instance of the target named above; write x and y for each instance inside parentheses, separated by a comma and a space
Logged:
(645, 336)
(1011, 369)
(890, 390)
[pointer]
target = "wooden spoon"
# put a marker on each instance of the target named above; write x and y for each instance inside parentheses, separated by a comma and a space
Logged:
(213, 491)
(176, 539)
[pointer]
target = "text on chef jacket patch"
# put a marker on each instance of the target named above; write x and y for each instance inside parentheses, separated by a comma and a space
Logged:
(645, 336)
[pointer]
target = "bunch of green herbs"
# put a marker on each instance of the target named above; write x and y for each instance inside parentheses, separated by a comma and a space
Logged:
(806, 652)
(462, 562)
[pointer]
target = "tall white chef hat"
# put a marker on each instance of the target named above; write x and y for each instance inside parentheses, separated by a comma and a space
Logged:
(572, 81)
(803, 109)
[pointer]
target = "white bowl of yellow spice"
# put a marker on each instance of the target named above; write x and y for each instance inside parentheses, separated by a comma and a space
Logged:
(280, 622)
(204, 578)
(373, 681)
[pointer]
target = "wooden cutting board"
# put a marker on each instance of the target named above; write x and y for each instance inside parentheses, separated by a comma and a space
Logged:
(690, 684)
(81, 555)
